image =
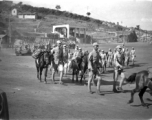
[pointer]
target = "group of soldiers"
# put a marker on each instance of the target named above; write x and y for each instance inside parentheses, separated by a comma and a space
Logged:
(97, 59)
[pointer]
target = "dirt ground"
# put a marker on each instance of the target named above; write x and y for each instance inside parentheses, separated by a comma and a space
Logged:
(30, 99)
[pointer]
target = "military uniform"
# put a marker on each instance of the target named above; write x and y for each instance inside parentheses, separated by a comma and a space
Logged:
(103, 58)
(57, 57)
(117, 62)
(127, 57)
(65, 55)
(132, 53)
(93, 62)
(93, 67)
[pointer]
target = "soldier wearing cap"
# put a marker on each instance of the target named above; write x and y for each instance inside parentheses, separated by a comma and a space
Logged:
(123, 54)
(77, 56)
(103, 60)
(65, 57)
(76, 48)
(127, 57)
(118, 69)
(93, 67)
(133, 55)
(110, 57)
(57, 61)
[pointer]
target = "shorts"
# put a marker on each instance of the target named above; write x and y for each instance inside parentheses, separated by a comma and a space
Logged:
(118, 69)
(94, 75)
(95, 72)
(133, 57)
(57, 67)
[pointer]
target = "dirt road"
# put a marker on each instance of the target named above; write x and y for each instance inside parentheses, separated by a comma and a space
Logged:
(30, 99)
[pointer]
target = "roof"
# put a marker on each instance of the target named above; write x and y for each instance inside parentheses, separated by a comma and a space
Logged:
(70, 25)
(26, 13)
(1, 36)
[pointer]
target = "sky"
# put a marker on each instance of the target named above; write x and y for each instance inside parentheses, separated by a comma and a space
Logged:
(127, 12)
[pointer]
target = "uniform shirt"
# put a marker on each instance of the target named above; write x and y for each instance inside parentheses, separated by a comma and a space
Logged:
(80, 54)
(123, 49)
(118, 59)
(127, 54)
(93, 59)
(110, 55)
(103, 57)
(76, 52)
(65, 55)
(132, 52)
(58, 54)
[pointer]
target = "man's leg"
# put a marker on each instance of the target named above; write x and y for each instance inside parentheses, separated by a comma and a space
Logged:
(98, 83)
(115, 78)
(61, 70)
(90, 80)
(121, 81)
(53, 75)
(54, 67)
(61, 76)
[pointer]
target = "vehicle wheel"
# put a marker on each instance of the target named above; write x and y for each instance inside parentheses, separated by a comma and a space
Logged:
(4, 113)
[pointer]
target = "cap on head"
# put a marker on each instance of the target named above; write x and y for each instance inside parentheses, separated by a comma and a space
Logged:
(58, 42)
(118, 47)
(95, 44)
(80, 48)
(53, 45)
(64, 45)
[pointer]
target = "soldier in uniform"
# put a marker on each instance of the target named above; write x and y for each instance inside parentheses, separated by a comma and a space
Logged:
(110, 57)
(127, 57)
(57, 63)
(65, 58)
(133, 55)
(123, 54)
(103, 60)
(118, 69)
(93, 67)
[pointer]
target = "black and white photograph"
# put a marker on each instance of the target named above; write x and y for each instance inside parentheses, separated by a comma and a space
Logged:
(76, 59)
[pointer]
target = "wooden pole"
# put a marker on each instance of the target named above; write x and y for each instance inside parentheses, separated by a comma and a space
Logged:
(10, 40)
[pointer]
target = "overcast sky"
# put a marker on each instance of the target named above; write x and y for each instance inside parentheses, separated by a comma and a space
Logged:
(127, 12)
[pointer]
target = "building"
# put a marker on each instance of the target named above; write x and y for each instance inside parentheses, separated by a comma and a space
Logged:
(3, 40)
(27, 16)
(7, 2)
(14, 12)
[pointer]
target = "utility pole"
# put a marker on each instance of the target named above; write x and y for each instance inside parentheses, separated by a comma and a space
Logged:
(9, 29)
(146, 35)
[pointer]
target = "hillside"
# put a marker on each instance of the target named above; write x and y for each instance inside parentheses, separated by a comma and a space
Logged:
(46, 18)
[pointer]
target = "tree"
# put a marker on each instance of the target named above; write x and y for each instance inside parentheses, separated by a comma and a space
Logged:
(58, 7)
(132, 37)
(88, 14)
